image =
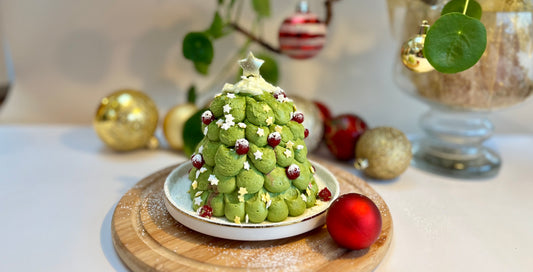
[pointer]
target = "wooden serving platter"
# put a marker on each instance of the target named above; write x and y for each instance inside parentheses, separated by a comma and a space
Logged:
(147, 238)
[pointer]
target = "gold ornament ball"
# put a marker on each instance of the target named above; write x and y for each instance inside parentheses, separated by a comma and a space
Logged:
(173, 124)
(383, 153)
(126, 120)
(412, 54)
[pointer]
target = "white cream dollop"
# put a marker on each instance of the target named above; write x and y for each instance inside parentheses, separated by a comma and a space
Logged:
(254, 85)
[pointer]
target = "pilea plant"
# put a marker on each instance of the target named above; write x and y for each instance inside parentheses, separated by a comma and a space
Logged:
(457, 40)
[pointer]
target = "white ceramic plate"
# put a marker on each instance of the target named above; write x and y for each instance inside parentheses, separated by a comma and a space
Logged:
(179, 205)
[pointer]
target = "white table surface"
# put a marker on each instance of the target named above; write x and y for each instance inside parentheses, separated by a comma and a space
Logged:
(59, 186)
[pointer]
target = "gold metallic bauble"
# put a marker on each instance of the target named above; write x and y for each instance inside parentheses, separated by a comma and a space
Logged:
(173, 124)
(383, 153)
(312, 121)
(412, 52)
(126, 120)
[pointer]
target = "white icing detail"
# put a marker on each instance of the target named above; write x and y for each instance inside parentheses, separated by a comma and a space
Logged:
(198, 201)
(260, 132)
(230, 95)
(300, 147)
(246, 165)
(258, 155)
(287, 153)
(227, 108)
(213, 180)
(242, 125)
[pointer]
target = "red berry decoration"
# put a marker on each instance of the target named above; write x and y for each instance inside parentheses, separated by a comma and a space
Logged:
(324, 195)
(205, 211)
(207, 117)
(279, 92)
(242, 146)
(298, 117)
(306, 133)
(197, 161)
(302, 35)
(354, 221)
(274, 139)
(293, 171)
(342, 133)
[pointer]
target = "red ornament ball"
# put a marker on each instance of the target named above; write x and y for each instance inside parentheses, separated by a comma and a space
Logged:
(342, 133)
(354, 221)
(302, 35)
(197, 161)
(242, 146)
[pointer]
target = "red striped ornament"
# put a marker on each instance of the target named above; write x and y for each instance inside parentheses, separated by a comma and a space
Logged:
(302, 35)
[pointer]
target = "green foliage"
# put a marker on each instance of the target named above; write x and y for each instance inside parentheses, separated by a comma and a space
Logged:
(216, 30)
(455, 42)
(261, 7)
(191, 94)
(473, 10)
(198, 48)
(192, 132)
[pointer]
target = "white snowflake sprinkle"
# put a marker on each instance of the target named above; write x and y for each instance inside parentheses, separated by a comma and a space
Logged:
(213, 180)
(227, 108)
(278, 129)
(266, 107)
(205, 131)
(242, 125)
(287, 153)
(200, 149)
(194, 184)
(260, 132)
(237, 220)
(198, 174)
(229, 118)
(304, 197)
(220, 122)
(199, 193)
(269, 202)
(198, 201)
(300, 147)
(226, 126)
(258, 155)
(230, 95)
(246, 165)
(203, 169)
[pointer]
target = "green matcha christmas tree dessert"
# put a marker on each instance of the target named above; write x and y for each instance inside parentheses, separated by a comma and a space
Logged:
(252, 164)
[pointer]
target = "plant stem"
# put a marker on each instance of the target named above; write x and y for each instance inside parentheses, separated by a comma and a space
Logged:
(466, 7)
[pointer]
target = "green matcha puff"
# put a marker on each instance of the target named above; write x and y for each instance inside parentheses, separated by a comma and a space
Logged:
(241, 166)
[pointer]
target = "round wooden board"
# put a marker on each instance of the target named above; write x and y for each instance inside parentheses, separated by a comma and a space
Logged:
(147, 238)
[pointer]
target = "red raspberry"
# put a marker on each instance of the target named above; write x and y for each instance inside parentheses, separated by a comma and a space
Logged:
(324, 195)
(298, 117)
(279, 92)
(205, 211)
(293, 171)
(197, 161)
(242, 146)
(306, 133)
(207, 117)
(274, 139)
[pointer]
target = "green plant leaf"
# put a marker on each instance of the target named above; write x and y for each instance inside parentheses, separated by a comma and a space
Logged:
(191, 94)
(202, 68)
(269, 70)
(197, 47)
(473, 10)
(216, 30)
(455, 42)
(192, 132)
(261, 7)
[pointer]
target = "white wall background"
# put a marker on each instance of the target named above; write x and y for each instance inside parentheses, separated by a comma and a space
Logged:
(67, 54)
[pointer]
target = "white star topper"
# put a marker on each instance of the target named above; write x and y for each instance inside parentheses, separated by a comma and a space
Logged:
(250, 65)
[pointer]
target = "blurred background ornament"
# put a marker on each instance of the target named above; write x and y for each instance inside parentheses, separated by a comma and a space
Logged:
(312, 121)
(412, 51)
(126, 120)
(173, 124)
(383, 153)
(302, 35)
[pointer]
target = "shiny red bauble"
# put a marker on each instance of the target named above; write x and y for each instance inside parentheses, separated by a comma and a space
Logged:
(354, 221)
(341, 134)
(302, 35)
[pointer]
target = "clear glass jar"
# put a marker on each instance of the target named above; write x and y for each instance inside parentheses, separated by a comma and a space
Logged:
(457, 124)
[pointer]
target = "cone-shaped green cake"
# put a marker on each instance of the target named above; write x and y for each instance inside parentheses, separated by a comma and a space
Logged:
(252, 165)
